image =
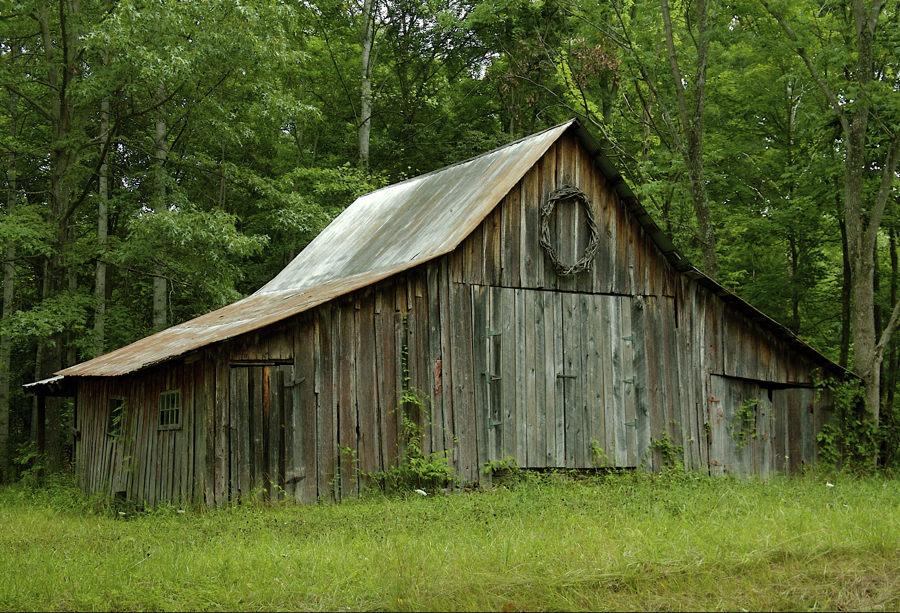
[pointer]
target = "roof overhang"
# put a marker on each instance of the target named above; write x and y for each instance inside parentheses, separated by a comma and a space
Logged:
(58, 385)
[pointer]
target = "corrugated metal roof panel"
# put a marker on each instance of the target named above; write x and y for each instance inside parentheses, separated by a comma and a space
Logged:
(380, 234)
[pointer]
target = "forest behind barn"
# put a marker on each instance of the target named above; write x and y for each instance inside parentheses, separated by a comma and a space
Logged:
(162, 160)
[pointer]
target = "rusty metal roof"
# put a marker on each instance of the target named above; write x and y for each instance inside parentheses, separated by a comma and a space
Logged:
(380, 234)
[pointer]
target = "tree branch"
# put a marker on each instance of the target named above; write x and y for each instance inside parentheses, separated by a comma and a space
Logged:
(884, 191)
(832, 99)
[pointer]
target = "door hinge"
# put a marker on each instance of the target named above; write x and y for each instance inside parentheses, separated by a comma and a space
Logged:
(560, 376)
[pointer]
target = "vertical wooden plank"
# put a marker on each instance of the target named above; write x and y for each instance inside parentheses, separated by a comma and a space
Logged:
(450, 433)
(503, 322)
(434, 363)
(529, 420)
(207, 433)
(559, 350)
(567, 214)
(466, 379)
(324, 390)
(532, 267)
(345, 336)
(366, 389)
(239, 460)
(546, 184)
(763, 441)
(493, 244)
(273, 379)
(420, 354)
(606, 268)
(544, 311)
(510, 230)
(222, 435)
(484, 382)
(305, 412)
(628, 373)
(474, 256)
(571, 381)
(385, 376)
(522, 377)
(717, 426)
(643, 385)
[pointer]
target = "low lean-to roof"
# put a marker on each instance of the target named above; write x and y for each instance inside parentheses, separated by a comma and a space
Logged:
(382, 233)
(391, 230)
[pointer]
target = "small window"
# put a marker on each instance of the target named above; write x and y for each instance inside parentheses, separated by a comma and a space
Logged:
(170, 410)
(116, 416)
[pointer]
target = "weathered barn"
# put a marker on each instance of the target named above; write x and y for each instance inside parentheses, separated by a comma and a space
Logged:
(525, 294)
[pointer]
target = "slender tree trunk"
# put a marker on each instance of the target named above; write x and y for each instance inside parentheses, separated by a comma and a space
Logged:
(365, 119)
(63, 157)
(102, 232)
(691, 145)
(9, 279)
(846, 286)
(160, 310)
(892, 360)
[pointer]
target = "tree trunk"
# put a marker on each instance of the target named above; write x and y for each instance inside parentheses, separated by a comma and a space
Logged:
(691, 145)
(365, 119)
(892, 360)
(846, 286)
(102, 231)
(9, 278)
(160, 310)
(63, 157)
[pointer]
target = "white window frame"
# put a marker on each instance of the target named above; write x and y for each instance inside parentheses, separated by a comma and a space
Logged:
(170, 410)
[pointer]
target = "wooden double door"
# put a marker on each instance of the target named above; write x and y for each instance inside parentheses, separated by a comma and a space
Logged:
(260, 407)
(556, 379)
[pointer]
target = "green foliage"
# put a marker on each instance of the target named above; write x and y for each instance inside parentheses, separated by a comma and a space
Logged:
(672, 454)
(617, 541)
(743, 425)
(509, 464)
(416, 469)
(849, 440)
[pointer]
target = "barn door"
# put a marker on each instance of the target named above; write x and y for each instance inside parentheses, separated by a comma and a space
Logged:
(260, 405)
(742, 429)
(556, 378)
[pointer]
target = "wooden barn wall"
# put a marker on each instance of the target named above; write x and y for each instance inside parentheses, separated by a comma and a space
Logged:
(148, 464)
(510, 359)
(505, 250)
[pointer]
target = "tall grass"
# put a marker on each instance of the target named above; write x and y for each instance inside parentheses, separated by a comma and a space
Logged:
(551, 543)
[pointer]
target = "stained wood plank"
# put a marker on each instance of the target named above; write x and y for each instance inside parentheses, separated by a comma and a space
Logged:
(446, 327)
(474, 256)
(570, 379)
(547, 183)
(628, 372)
(366, 390)
(643, 384)
(470, 430)
(532, 267)
(510, 231)
(545, 318)
(346, 335)
(324, 389)
(493, 246)
(522, 377)
(559, 386)
(529, 420)
(434, 362)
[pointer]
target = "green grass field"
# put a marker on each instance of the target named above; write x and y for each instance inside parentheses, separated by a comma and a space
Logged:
(626, 542)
